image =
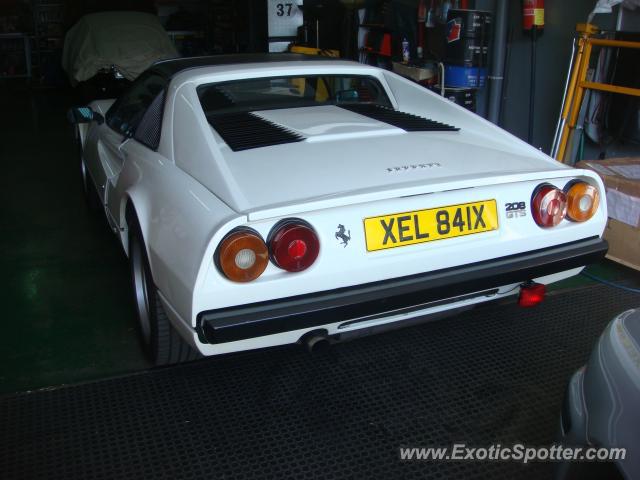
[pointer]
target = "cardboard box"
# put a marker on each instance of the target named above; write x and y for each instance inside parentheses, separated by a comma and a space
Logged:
(621, 174)
(417, 74)
(621, 177)
(624, 243)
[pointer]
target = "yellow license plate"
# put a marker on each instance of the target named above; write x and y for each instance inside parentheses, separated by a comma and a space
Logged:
(409, 228)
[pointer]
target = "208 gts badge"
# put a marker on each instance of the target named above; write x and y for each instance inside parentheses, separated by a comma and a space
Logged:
(516, 209)
(341, 235)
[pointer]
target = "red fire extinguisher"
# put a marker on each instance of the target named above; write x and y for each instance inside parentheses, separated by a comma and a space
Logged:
(533, 14)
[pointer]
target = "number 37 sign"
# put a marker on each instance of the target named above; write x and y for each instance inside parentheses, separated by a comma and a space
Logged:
(284, 17)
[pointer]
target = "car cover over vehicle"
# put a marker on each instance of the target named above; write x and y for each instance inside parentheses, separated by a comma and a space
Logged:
(130, 41)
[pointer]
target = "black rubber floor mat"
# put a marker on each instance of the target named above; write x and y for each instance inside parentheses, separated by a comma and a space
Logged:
(495, 374)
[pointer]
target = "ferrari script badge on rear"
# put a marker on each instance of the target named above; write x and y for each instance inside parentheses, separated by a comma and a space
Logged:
(415, 166)
(342, 236)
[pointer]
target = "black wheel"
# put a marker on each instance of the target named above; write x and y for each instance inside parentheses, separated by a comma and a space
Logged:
(88, 187)
(162, 344)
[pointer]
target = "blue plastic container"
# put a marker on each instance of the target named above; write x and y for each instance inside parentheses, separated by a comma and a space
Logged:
(464, 77)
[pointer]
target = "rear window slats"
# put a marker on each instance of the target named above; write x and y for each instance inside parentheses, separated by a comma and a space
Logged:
(244, 131)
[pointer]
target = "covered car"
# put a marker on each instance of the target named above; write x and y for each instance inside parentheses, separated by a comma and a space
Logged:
(601, 407)
(127, 41)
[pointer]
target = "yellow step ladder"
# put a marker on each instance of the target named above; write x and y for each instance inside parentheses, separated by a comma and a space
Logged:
(578, 84)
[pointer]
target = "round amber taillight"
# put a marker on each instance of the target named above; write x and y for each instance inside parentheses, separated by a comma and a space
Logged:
(582, 201)
(242, 256)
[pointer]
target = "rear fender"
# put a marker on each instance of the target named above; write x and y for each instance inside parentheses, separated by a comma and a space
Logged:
(130, 216)
(177, 217)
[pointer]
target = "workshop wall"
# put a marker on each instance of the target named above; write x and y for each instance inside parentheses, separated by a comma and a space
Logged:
(554, 49)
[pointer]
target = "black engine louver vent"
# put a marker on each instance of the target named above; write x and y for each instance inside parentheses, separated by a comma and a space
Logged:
(244, 130)
(405, 121)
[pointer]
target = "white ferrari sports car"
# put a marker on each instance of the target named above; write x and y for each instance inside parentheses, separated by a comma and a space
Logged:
(274, 198)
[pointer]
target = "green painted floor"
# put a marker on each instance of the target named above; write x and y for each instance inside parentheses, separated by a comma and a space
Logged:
(68, 316)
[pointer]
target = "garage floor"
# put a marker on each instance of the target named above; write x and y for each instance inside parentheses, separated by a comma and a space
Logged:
(65, 287)
(496, 374)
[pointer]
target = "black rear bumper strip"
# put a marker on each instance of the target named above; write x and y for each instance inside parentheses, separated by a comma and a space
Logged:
(344, 304)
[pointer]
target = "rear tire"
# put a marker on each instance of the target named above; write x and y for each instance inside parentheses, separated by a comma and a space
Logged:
(161, 342)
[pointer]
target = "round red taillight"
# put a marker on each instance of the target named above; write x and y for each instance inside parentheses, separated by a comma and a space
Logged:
(242, 256)
(548, 205)
(294, 246)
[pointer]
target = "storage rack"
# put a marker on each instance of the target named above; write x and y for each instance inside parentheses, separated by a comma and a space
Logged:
(48, 21)
(14, 45)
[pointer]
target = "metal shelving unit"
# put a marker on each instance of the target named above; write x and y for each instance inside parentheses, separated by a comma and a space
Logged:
(13, 46)
(48, 32)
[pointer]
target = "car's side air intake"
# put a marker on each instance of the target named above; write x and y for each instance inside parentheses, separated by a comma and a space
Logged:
(244, 130)
(403, 120)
